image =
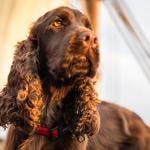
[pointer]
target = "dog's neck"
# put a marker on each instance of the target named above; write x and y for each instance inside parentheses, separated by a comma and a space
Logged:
(58, 93)
(52, 111)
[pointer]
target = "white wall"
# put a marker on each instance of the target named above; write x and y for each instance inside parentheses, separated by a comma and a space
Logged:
(123, 81)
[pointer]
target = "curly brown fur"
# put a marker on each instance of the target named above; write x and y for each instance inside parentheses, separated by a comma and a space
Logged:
(50, 82)
(85, 118)
(22, 95)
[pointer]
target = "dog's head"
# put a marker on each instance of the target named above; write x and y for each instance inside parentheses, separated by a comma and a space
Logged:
(61, 45)
(67, 44)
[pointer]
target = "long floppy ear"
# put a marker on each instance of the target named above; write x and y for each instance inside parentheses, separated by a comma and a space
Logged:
(21, 99)
(81, 105)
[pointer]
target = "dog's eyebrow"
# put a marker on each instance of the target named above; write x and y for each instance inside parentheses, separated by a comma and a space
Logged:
(66, 14)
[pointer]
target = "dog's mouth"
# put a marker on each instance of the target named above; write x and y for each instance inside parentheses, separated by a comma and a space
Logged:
(93, 60)
(80, 65)
(91, 70)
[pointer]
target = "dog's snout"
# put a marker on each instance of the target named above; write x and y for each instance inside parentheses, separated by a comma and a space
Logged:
(88, 39)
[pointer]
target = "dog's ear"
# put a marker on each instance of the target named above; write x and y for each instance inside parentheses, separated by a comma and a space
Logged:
(84, 117)
(21, 99)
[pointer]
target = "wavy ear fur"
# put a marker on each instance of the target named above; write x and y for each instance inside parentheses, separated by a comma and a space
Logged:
(21, 99)
(81, 106)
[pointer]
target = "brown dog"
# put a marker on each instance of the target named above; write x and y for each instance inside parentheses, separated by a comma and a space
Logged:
(50, 94)
(50, 100)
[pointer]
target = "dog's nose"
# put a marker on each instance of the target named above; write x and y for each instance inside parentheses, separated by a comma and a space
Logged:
(88, 39)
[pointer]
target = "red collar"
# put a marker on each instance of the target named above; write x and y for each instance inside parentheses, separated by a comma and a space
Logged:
(53, 133)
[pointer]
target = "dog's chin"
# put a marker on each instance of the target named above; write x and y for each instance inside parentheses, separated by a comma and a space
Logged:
(75, 69)
(68, 77)
(88, 72)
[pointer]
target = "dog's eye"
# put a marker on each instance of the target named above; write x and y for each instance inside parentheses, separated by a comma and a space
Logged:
(57, 23)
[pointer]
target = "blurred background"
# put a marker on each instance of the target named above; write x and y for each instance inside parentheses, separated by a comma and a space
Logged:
(124, 34)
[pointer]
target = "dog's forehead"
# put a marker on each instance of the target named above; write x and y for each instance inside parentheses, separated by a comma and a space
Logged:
(69, 13)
